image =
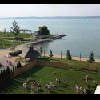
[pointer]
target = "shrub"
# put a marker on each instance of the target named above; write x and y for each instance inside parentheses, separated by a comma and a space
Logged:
(91, 58)
(68, 55)
(16, 53)
(19, 51)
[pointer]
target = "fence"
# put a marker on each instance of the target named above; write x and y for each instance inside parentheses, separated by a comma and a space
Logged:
(25, 68)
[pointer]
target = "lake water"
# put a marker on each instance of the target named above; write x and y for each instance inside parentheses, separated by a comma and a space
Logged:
(83, 35)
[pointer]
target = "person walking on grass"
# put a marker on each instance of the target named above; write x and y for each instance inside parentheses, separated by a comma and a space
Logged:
(32, 89)
(86, 78)
(77, 88)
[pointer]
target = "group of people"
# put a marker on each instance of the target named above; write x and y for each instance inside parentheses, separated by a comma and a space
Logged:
(49, 86)
(80, 90)
(35, 85)
(9, 63)
(32, 84)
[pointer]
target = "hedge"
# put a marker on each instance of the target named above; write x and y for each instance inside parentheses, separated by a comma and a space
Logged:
(16, 53)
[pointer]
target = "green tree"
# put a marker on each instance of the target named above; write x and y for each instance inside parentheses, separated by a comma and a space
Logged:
(44, 30)
(68, 55)
(91, 57)
(15, 29)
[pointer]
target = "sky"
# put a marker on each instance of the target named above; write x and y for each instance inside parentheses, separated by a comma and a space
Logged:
(21, 10)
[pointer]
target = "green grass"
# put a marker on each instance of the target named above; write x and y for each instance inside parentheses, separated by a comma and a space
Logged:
(45, 75)
(7, 39)
(5, 43)
(10, 35)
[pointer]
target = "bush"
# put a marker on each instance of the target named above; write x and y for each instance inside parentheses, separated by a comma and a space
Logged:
(68, 55)
(16, 53)
(19, 51)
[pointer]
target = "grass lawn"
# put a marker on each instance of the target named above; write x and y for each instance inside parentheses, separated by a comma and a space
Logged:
(7, 44)
(10, 35)
(46, 74)
(7, 39)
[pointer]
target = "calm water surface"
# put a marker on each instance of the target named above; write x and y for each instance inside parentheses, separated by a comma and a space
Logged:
(83, 35)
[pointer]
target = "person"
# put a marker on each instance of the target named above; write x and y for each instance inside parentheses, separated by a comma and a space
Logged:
(32, 89)
(49, 88)
(77, 88)
(24, 85)
(46, 86)
(86, 78)
(57, 80)
(10, 63)
(84, 91)
(38, 90)
(51, 84)
(81, 90)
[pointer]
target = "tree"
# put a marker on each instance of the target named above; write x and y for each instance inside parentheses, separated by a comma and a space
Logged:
(91, 58)
(51, 54)
(68, 55)
(15, 29)
(44, 30)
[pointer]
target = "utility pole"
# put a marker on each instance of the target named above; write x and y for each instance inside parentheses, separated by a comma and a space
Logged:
(61, 54)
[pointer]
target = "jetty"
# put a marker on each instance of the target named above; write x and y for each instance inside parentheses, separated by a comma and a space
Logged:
(40, 41)
(58, 36)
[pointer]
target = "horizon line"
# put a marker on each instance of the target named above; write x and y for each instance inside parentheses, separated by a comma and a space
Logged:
(47, 17)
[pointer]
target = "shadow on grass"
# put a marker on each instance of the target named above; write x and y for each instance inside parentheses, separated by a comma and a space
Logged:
(53, 92)
(16, 83)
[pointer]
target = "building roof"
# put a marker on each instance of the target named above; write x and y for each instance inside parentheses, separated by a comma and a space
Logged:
(97, 91)
(32, 54)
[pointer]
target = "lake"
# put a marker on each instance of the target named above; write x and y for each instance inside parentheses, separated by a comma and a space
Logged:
(83, 35)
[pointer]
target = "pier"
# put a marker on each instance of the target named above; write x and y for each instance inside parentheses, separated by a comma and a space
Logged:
(40, 41)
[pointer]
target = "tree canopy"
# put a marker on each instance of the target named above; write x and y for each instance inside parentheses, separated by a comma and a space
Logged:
(44, 30)
(15, 28)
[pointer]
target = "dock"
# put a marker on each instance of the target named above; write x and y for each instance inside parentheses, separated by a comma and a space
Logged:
(40, 41)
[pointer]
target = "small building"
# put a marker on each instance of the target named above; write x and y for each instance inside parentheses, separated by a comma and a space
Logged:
(25, 31)
(36, 35)
(32, 54)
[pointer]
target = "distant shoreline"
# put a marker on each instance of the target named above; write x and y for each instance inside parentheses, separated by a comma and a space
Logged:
(74, 58)
(52, 17)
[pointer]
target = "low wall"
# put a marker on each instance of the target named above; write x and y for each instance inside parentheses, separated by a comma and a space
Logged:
(51, 64)
(38, 63)
(25, 68)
